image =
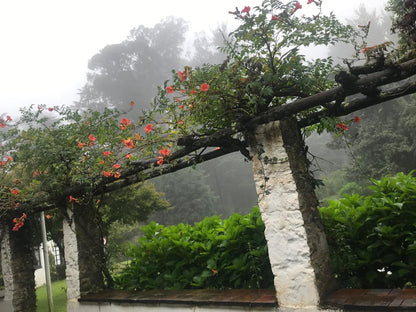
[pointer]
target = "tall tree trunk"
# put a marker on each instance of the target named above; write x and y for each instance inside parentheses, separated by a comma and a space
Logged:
(17, 259)
(297, 245)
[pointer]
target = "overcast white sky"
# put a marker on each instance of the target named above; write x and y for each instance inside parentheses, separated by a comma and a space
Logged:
(45, 45)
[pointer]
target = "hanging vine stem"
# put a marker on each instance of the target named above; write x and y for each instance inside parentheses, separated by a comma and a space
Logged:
(354, 159)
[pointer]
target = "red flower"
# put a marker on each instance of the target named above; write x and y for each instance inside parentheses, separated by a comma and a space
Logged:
(357, 119)
(310, 1)
(106, 153)
(124, 123)
(193, 92)
(148, 128)
(181, 75)
(17, 226)
(137, 136)
(24, 216)
(108, 174)
(92, 138)
(160, 160)
(164, 152)
(128, 156)
(9, 158)
(169, 89)
(116, 166)
(297, 6)
(180, 122)
(128, 143)
(132, 103)
(80, 144)
(102, 162)
(14, 191)
(275, 18)
(117, 175)
(204, 87)
(50, 109)
(342, 126)
(48, 217)
(71, 199)
(181, 107)
(246, 9)
(8, 118)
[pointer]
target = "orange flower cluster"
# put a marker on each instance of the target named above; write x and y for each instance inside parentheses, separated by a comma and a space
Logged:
(342, 126)
(164, 153)
(366, 49)
(124, 123)
(72, 199)
(92, 139)
(19, 222)
(148, 128)
(14, 191)
(6, 162)
(3, 122)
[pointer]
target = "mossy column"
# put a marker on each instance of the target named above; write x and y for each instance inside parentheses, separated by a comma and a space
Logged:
(83, 253)
(295, 236)
(17, 260)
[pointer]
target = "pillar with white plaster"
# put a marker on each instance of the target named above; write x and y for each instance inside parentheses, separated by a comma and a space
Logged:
(296, 241)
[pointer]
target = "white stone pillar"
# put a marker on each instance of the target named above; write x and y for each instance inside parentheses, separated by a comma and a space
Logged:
(6, 264)
(17, 266)
(72, 267)
(289, 243)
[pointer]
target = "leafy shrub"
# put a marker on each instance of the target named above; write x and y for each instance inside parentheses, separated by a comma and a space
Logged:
(372, 239)
(215, 253)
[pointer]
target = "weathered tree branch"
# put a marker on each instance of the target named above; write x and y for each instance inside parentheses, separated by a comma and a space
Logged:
(329, 100)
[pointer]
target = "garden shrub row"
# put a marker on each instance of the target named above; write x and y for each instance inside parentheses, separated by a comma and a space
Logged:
(372, 239)
(372, 243)
(214, 253)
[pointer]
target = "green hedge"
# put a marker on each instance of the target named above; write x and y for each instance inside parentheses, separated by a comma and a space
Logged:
(372, 239)
(372, 244)
(215, 253)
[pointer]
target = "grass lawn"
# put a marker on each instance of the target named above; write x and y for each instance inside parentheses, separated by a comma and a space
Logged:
(59, 297)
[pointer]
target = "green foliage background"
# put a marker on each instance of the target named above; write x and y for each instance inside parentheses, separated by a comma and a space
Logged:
(372, 239)
(215, 253)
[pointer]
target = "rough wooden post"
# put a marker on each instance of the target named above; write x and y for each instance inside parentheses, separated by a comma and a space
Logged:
(297, 244)
(17, 259)
(83, 254)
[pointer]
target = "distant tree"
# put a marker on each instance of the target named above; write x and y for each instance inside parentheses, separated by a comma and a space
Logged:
(121, 213)
(132, 70)
(404, 20)
(372, 27)
(205, 47)
(190, 195)
(231, 179)
(384, 142)
(131, 204)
